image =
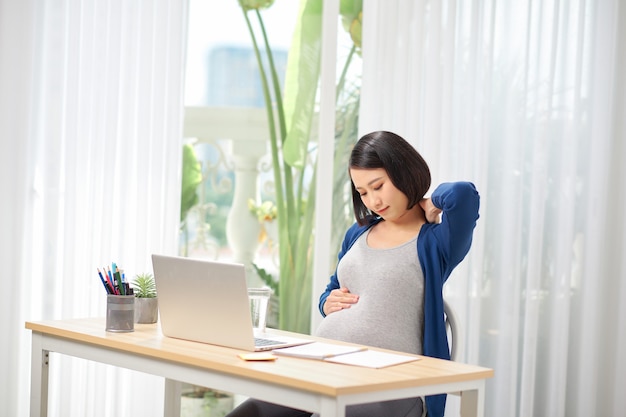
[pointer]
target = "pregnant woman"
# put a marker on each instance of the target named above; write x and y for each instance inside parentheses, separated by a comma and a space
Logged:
(386, 291)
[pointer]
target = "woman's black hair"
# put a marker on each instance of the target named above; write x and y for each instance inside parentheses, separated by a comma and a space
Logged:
(406, 168)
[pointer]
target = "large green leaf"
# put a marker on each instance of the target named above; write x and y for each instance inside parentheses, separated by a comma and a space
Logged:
(301, 80)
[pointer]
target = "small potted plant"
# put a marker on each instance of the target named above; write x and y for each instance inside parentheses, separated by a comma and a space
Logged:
(146, 307)
(197, 401)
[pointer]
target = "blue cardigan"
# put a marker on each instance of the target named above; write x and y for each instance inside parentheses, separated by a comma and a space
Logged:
(440, 248)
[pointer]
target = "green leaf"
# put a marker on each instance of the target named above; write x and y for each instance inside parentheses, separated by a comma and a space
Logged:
(301, 80)
(267, 279)
(192, 177)
(349, 10)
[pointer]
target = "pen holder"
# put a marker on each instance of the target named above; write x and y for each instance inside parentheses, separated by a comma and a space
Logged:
(120, 313)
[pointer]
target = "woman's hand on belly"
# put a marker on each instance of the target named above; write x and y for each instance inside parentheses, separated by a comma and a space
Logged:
(339, 299)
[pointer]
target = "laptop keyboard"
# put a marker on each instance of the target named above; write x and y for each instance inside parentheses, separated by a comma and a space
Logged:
(266, 342)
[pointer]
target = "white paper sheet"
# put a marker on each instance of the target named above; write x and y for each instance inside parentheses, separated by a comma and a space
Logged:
(372, 359)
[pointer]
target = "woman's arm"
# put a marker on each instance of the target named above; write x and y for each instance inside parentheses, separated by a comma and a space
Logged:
(350, 237)
(459, 203)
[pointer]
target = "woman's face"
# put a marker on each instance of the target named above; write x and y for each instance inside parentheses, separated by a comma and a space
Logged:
(378, 193)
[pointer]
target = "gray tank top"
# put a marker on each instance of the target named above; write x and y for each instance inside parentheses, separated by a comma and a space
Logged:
(390, 311)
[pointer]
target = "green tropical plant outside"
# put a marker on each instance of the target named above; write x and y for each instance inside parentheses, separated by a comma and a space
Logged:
(191, 178)
(290, 118)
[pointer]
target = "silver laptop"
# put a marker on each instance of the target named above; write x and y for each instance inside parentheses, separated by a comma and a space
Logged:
(207, 301)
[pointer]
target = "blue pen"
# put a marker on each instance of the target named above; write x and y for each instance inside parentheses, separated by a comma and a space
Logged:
(106, 287)
(109, 282)
(126, 284)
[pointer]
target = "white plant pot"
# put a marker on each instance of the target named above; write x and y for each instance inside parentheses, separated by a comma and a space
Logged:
(146, 310)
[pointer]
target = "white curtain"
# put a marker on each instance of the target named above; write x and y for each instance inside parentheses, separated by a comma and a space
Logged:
(528, 100)
(91, 144)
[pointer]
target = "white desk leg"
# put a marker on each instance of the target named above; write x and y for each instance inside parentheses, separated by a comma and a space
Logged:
(331, 408)
(173, 390)
(473, 403)
(39, 364)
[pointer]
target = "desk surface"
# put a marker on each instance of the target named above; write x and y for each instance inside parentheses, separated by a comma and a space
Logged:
(306, 374)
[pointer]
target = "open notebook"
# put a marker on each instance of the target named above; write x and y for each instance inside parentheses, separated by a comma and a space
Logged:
(207, 301)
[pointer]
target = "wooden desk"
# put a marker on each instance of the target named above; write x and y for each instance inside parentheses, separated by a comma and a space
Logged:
(313, 385)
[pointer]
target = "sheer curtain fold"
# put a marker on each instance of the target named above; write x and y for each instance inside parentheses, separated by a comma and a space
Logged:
(526, 99)
(97, 143)
(16, 33)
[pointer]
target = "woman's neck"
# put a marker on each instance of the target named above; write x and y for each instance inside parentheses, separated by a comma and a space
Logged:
(391, 233)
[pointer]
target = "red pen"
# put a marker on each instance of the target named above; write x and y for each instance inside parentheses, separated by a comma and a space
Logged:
(110, 278)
